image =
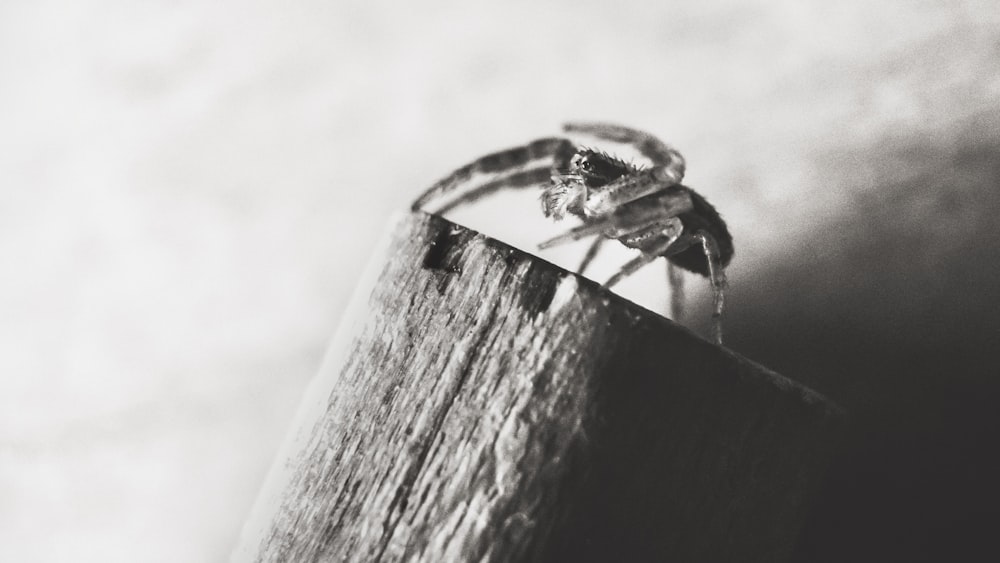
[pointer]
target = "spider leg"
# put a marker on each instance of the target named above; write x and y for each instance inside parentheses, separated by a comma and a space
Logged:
(673, 241)
(628, 219)
(591, 253)
(579, 232)
(523, 179)
(492, 164)
(631, 187)
(717, 276)
(675, 278)
(663, 155)
(611, 226)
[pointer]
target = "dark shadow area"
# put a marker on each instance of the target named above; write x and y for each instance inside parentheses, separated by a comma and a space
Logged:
(891, 309)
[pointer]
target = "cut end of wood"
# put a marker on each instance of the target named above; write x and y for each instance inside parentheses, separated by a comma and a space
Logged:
(486, 404)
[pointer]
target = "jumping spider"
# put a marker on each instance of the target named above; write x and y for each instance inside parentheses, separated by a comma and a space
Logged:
(646, 208)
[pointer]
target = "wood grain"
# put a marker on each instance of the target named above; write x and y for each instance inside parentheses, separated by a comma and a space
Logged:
(480, 403)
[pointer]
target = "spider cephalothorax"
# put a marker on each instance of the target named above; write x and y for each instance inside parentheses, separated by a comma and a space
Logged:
(646, 208)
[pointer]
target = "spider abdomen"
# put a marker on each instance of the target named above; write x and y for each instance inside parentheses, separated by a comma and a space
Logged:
(703, 217)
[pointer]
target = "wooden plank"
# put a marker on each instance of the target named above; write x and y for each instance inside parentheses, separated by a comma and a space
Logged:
(479, 403)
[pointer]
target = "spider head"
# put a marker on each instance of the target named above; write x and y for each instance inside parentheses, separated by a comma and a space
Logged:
(587, 169)
(597, 169)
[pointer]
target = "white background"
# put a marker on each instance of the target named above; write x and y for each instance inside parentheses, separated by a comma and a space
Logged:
(188, 191)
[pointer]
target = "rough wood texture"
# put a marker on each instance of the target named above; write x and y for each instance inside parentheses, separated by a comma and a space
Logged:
(483, 404)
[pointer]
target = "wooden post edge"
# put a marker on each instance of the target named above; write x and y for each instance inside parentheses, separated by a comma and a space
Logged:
(480, 403)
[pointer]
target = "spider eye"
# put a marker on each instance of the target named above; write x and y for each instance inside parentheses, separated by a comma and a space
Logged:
(586, 165)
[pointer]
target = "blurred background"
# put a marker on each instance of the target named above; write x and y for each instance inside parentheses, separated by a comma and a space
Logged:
(189, 190)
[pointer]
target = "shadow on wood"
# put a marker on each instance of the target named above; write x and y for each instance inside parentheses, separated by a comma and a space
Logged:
(479, 403)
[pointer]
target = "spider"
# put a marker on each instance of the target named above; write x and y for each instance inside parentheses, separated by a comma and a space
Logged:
(645, 208)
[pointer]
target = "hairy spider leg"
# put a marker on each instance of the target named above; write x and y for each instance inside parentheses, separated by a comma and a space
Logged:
(532, 177)
(591, 254)
(628, 219)
(495, 163)
(717, 276)
(625, 189)
(675, 277)
(579, 232)
(611, 226)
(672, 243)
(664, 157)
